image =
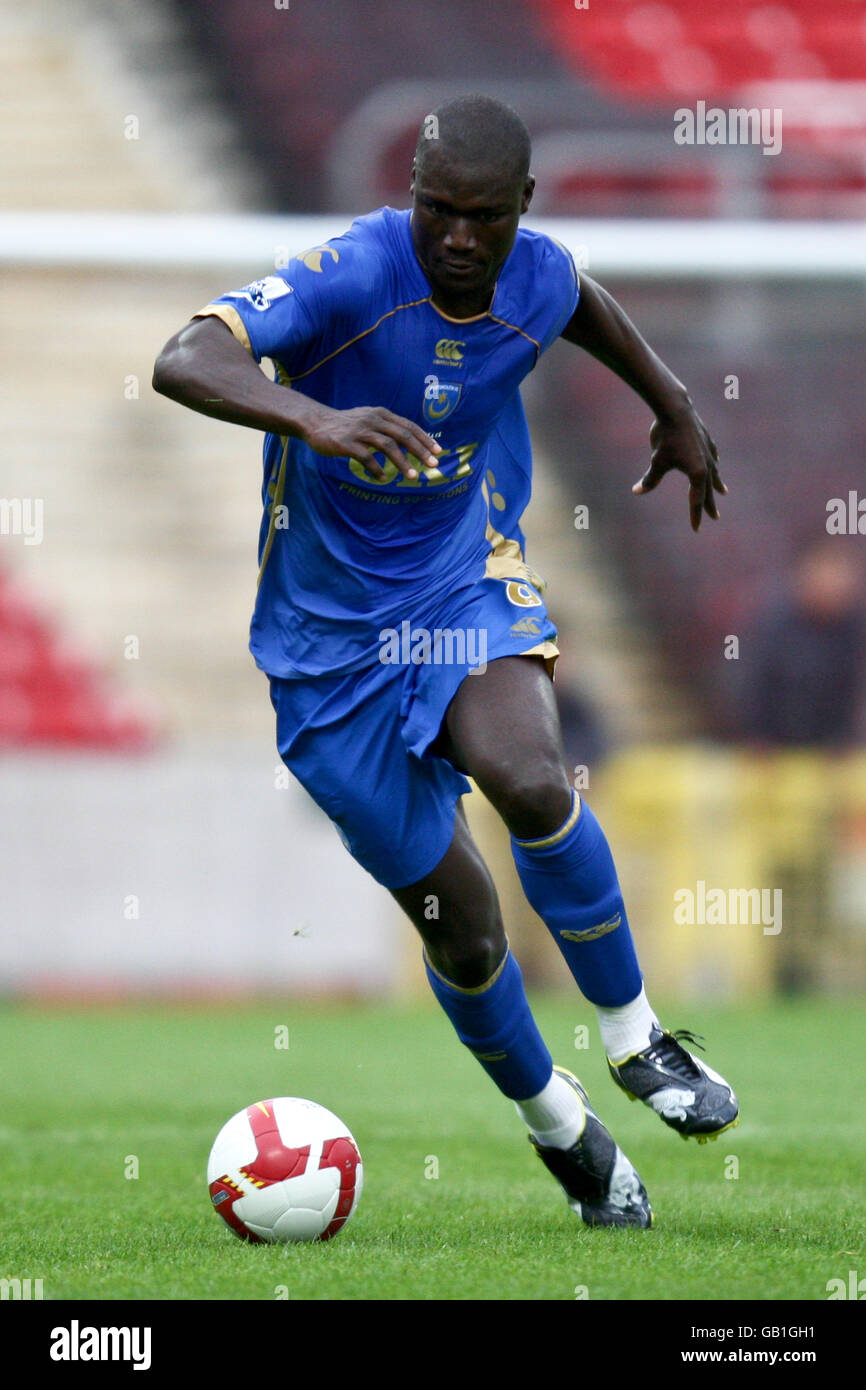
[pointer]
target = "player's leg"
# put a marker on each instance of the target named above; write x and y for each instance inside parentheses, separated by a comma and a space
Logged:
(502, 727)
(396, 815)
(478, 983)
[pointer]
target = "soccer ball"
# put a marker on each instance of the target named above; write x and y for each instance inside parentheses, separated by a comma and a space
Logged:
(285, 1170)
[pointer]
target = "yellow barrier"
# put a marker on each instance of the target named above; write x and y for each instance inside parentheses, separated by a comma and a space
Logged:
(742, 873)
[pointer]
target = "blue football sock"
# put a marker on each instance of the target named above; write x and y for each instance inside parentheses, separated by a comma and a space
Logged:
(570, 879)
(494, 1021)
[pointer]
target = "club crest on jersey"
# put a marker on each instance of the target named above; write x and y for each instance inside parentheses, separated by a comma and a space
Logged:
(262, 293)
(441, 400)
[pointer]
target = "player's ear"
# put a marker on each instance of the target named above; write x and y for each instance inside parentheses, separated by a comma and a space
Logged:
(528, 190)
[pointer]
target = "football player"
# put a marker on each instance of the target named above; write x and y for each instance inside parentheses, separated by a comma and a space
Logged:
(406, 640)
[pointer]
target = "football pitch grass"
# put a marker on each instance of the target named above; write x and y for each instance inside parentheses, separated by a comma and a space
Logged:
(455, 1205)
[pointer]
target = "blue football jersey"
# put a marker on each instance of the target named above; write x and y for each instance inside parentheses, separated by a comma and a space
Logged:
(351, 323)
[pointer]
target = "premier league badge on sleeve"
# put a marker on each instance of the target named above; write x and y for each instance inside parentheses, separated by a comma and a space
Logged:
(262, 293)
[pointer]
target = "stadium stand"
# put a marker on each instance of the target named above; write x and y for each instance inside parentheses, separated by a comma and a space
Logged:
(353, 137)
(51, 696)
(805, 60)
(83, 435)
(791, 439)
(681, 47)
(312, 67)
(338, 128)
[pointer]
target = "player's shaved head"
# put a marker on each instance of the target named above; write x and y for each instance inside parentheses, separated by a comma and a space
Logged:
(470, 186)
(476, 132)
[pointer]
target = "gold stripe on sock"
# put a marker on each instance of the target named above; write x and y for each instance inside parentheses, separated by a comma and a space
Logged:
(557, 835)
(461, 989)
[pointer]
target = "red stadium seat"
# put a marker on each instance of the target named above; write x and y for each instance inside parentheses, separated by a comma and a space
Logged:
(52, 697)
(686, 50)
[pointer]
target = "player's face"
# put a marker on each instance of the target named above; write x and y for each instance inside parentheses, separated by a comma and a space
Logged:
(464, 222)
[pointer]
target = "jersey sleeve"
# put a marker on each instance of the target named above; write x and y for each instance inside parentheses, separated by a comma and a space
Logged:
(267, 316)
(295, 315)
(558, 281)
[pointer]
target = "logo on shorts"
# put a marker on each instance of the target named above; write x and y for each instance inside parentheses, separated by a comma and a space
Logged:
(526, 627)
(441, 400)
(522, 595)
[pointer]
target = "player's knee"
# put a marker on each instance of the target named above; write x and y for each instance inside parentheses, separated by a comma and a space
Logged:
(533, 801)
(468, 963)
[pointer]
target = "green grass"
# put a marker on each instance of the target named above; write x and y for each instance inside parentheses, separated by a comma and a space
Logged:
(83, 1091)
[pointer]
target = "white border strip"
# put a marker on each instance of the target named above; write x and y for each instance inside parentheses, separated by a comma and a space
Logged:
(657, 249)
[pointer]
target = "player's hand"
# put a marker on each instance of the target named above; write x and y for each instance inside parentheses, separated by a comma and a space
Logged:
(683, 442)
(367, 430)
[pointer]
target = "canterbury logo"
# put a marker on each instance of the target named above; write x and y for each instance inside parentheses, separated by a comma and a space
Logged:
(313, 259)
(448, 350)
(491, 1056)
(592, 932)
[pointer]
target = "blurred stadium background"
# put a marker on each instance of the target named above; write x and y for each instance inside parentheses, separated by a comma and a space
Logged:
(155, 154)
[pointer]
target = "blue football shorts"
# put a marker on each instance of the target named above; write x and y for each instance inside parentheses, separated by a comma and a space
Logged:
(360, 742)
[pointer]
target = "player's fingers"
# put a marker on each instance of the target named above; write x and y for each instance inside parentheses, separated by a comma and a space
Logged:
(717, 480)
(715, 476)
(411, 436)
(418, 443)
(365, 455)
(391, 449)
(651, 478)
(703, 482)
(710, 504)
(696, 505)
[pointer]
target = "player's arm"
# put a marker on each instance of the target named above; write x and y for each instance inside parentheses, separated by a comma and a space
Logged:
(206, 368)
(678, 437)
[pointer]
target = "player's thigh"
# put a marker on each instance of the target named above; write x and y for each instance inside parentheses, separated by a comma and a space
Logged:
(502, 727)
(393, 811)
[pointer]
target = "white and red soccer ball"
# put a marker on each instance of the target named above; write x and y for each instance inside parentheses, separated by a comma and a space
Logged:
(285, 1170)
